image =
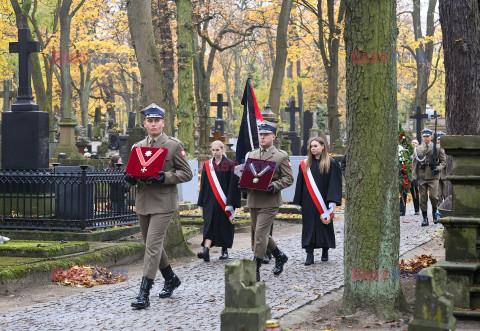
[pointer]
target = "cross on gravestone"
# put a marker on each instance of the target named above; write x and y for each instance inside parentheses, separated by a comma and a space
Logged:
(418, 117)
(219, 122)
(217, 136)
(24, 47)
(292, 110)
(7, 94)
(292, 134)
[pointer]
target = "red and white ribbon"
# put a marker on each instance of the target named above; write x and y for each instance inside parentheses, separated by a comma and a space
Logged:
(152, 158)
(315, 193)
(217, 190)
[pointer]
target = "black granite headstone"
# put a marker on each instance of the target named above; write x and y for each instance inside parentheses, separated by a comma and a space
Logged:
(122, 150)
(307, 125)
(68, 195)
(292, 134)
(131, 121)
(25, 129)
(113, 141)
(90, 131)
(219, 121)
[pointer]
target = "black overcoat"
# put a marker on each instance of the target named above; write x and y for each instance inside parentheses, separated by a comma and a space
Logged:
(215, 220)
(330, 187)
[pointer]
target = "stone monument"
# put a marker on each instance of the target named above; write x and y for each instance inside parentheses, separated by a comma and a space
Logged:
(245, 307)
(25, 129)
(292, 134)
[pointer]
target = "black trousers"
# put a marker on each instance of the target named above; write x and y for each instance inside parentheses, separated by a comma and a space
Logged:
(403, 199)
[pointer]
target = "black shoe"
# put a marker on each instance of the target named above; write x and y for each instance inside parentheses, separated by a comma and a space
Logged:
(205, 255)
(143, 301)
(267, 258)
(324, 254)
(224, 254)
(309, 259)
(280, 260)
(402, 214)
(258, 262)
(169, 286)
(434, 216)
(425, 218)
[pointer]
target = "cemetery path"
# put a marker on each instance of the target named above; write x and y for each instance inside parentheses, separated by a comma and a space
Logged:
(197, 304)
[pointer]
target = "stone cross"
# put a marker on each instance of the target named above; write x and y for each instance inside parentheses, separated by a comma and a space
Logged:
(7, 94)
(419, 117)
(292, 110)
(24, 47)
(219, 122)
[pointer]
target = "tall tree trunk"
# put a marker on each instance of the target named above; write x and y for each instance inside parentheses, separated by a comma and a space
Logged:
(372, 229)
(460, 23)
(424, 53)
(281, 54)
(151, 72)
(186, 109)
(300, 96)
(237, 92)
(164, 40)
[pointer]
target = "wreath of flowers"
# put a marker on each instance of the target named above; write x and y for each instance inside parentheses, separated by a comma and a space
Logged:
(405, 151)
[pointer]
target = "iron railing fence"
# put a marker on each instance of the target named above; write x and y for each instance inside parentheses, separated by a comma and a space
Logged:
(65, 199)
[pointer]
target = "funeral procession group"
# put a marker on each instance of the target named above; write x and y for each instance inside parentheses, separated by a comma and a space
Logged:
(158, 163)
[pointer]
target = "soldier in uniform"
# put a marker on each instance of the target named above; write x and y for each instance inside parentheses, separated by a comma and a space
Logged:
(156, 202)
(426, 171)
(264, 205)
(442, 182)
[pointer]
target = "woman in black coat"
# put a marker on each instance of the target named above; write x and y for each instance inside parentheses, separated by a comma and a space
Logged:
(218, 230)
(318, 233)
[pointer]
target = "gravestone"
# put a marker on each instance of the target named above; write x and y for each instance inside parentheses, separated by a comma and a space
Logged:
(245, 306)
(7, 94)
(68, 195)
(90, 131)
(188, 191)
(292, 134)
(433, 304)
(418, 117)
(131, 121)
(122, 146)
(307, 125)
(113, 141)
(25, 129)
(219, 121)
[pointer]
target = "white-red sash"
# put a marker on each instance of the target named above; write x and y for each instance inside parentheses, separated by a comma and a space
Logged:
(314, 192)
(217, 189)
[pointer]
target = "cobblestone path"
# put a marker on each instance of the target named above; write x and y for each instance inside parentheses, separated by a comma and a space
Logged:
(197, 304)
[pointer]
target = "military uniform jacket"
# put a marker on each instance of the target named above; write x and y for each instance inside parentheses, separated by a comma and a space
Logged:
(423, 151)
(163, 198)
(282, 178)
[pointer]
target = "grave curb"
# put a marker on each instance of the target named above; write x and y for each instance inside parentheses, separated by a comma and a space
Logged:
(12, 279)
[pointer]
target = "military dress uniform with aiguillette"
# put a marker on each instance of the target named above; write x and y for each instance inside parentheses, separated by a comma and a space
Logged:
(423, 170)
(264, 206)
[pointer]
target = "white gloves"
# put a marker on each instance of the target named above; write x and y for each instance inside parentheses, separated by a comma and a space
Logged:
(298, 207)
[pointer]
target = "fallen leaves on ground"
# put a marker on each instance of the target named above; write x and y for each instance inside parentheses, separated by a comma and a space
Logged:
(417, 263)
(86, 276)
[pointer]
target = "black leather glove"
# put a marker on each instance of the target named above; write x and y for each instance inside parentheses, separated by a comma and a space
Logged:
(270, 188)
(129, 179)
(423, 166)
(155, 180)
(242, 189)
(435, 171)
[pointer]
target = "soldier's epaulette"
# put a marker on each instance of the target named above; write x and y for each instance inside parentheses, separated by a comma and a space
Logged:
(283, 152)
(175, 139)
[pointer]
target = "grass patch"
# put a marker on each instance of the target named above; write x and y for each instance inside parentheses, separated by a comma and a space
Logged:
(33, 248)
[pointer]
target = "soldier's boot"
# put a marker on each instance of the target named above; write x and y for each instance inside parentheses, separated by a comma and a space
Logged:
(309, 259)
(267, 258)
(171, 282)
(425, 218)
(142, 301)
(258, 263)
(324, 254)
(224, 254)
(205, 254)
(434, 216)
(280, 260)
